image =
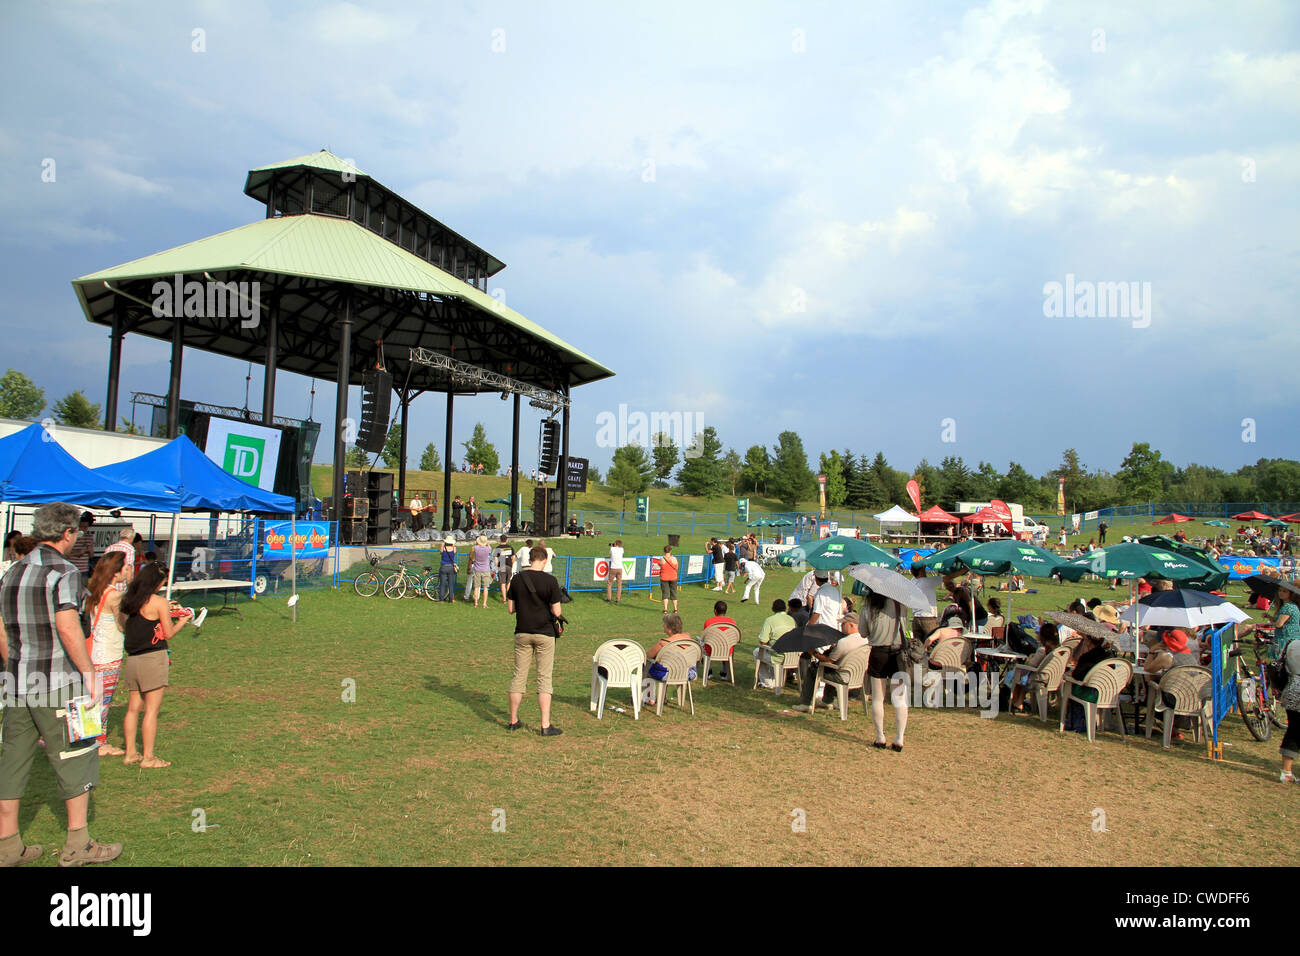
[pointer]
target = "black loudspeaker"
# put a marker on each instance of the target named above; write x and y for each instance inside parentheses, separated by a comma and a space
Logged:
(546, 512)
(376, 394)
(379, 523)
(548, 454)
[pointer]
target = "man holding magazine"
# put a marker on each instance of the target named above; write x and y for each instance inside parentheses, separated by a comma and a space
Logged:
(47, 665)
(534, 599)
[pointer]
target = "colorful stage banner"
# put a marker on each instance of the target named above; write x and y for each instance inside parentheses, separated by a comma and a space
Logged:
(1243, 567)
(313, 540)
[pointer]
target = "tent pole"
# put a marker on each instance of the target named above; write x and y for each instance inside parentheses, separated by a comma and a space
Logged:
(171, 554)
(293, 561)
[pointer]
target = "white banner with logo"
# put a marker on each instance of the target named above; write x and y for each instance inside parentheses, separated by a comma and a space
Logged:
(249, 452)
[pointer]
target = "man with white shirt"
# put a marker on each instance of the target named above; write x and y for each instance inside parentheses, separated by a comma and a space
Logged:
(550, 554)
(924, 623)
(417, 506)
(521, 557)
(754, 577)
(828, 603)
(615, 571)
(808, 585)
(851, 641)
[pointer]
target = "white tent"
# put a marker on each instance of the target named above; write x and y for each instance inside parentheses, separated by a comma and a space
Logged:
(896, 516)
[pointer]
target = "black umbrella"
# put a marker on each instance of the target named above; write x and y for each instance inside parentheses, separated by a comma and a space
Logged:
(1264, 585)
(810, 637)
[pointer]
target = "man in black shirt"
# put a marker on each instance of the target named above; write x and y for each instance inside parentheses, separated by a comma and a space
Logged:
(457, 506)
(534, 599)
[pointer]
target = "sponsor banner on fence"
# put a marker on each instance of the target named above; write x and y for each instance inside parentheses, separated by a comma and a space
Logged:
(1243, 567)
(313, 540)
(1090, 516)
(772, 550)
(695, 564)
(600, 570)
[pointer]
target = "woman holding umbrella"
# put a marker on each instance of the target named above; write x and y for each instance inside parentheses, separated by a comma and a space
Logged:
(881, 622)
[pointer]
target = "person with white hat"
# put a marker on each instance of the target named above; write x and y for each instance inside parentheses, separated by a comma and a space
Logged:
(447, 571)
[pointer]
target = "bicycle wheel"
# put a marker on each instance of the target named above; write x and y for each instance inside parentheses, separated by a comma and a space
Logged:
(431, 587)
(367, 585)
(1250, 703)
(395, 586)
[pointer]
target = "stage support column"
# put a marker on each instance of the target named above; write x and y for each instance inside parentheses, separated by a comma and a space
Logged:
(341, 412)
(562, 479)
(174, 387)
(272, 359)
(514, 471)
(114, 372)
(405, 399)
(446, 466)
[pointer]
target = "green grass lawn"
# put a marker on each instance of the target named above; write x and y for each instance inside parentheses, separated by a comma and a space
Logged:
(420, 766)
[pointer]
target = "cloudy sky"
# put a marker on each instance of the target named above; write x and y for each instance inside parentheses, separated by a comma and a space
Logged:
(838, 218)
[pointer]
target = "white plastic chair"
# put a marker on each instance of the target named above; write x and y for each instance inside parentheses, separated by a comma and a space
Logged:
(617, 664)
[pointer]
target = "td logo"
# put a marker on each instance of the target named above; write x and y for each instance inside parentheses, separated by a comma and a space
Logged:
(243, 457)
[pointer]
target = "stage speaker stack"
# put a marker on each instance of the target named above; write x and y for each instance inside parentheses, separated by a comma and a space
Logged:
(546, 512)
(548, 454)
(379, 526)
(376, 393)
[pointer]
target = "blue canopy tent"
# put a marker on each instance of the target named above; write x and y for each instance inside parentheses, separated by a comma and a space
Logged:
(194, 482)
(35, 469)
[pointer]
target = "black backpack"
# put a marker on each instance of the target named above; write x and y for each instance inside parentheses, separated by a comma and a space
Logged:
(1020, 640)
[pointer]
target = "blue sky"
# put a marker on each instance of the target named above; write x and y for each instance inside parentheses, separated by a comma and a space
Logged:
(834, 218)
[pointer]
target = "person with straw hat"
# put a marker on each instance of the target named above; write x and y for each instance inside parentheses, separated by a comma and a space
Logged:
(480, 570)
(447, 571)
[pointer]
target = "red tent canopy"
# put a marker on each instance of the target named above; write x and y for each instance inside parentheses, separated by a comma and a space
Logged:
(1251, 516)
(1294, 519)
(937, 514)
(1172, 519)
(987, 516)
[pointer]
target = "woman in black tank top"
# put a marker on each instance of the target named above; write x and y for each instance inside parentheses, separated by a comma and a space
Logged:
(148, 627)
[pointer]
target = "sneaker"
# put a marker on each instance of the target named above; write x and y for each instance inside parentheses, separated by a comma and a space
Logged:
(27, 855)
(200, 618)
(92, 852)
(515, 726)
(1289, 777)
(551, 731)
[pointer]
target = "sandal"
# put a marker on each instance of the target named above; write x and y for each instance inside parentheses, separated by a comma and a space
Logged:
(155, 763)
(108, 750)
(29, 854)
(92, 852)
(130, 759)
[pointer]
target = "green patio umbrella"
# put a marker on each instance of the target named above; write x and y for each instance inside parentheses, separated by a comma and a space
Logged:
(1216, 523)
(1216, 575)
(1009, 557)
(1131, 560)
(499, 501)
(833, 554)
(945, 560)
(1275, 523)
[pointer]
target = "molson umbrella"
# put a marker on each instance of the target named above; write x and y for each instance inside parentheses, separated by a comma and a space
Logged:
(1216, 576)
(1131, 560)
(1008, 557)
(838, 552)
(1216, 523)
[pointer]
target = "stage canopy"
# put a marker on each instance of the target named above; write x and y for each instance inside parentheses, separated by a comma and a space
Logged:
(35, 469)
(193, 481)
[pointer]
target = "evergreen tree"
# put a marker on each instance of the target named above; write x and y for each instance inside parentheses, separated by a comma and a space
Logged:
(76, 410)
(429, 461)
(864, 491)
(791, 479)
(702, 472)
(630, 472)
(479, 451)
(391, 455)
(666, 455)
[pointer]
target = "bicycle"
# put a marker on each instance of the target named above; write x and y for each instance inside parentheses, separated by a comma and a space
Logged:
(1260, 708)
(397, 583)
(367, 583)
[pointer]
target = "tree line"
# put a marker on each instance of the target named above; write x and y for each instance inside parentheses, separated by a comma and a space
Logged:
(868, 482)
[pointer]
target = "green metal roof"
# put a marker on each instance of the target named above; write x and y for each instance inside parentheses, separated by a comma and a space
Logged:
(323, 160)
(328, 249)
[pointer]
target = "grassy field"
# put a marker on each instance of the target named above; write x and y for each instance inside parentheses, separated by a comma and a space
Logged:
(419, 768)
